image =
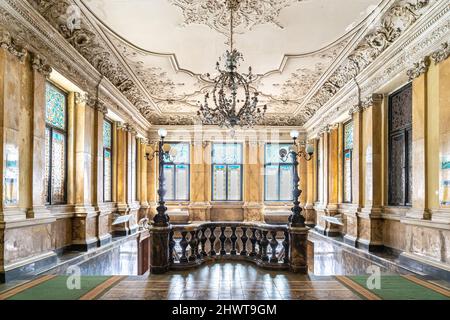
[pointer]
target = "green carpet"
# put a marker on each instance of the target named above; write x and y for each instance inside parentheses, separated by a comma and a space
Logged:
(399, 288)
(56, 289)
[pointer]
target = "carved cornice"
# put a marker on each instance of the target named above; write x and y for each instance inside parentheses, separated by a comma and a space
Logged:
(442, 54)
(420, 40)
(126, 127)
(393, 24)
(419, 68)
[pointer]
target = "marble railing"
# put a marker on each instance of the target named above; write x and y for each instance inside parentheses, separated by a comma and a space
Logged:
(190, 245)
(194, 244)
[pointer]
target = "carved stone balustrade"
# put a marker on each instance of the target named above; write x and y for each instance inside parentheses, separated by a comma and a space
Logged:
(278, 247)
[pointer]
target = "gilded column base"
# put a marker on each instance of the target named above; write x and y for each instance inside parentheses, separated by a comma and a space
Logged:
(84, 228)
(370, 229)
(417, 213)
(200, 211)
(253, 212)
(159, 250)
(298, 247)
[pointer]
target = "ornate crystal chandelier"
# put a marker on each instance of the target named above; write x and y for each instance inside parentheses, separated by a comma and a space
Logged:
(234, 104)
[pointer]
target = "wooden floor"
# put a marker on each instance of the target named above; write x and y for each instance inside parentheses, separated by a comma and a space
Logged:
(230, 281)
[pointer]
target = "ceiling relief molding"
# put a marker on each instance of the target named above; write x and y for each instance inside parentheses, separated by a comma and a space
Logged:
(419, 41)
(397, 20)
(216, 14)
(90, 45)
(419, 68)
(442, 54)
(47, 49)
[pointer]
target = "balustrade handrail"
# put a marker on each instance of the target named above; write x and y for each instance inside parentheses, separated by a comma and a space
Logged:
(263, 244)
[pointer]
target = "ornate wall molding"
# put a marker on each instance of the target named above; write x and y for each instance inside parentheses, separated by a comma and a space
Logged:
(422, 39)
(32, 32)
(419, 68)
(442, 54)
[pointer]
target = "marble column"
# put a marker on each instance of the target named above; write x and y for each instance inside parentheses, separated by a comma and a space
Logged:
(151, 181)
(419, 209)
(104, 210)
(332, 176)
(40, 75)
(253, 182)
(142, 179)
(84, 227)
(370, 222)
(443, 74)
(199, 207)
(351, 214)
(310, 189)
(127, 204)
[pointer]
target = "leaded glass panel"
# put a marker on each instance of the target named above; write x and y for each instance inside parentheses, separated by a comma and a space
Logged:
(234, 182)
(107, 134)
(219, 182)
(58, 176)
(227, 153)
(55, 108)
(107, 176)
(348, 136)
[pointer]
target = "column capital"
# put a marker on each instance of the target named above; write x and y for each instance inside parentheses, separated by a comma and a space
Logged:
(442, 54)
(7, 42)
(126, 127)
(39, 64)
(81, 98)
(419, 68)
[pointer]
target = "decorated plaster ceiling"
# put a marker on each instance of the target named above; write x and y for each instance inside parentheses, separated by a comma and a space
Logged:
(156, 52)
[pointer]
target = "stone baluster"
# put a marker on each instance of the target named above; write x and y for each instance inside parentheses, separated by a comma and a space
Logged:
(194, 246)
(253, 241)
(171, 247)
(244, 239)
(286, 247)
(264, 243)
(212, 241)
(203, 240)
(273, 246)
(183, 244)
(222, 239)
(233, 238)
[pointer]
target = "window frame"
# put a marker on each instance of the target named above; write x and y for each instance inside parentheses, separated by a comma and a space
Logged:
(49, 201)
(407, 133)
(343, 165)
(174, 165)
(110, 149)
(226, 175)
(279, 164)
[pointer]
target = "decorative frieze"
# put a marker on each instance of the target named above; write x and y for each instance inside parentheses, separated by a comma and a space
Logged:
(442, 54)
(419, 68)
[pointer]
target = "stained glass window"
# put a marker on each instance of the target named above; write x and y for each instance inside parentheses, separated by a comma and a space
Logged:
(107, 161)
(55, 110)
(177, 173)
(348, 156)
(55, 145)
(278, 174)
(400, 146)
(227, 172)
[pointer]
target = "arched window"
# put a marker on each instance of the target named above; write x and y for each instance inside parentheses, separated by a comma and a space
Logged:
(55, 145)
